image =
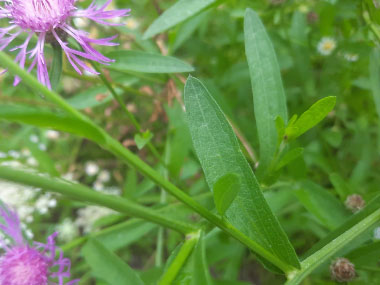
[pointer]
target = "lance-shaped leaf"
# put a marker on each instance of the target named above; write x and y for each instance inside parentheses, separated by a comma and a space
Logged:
(219, 154)
(139, 61)
(108, 266)
(316, 113)
(49, 119)
(268, 92)
(179, 12)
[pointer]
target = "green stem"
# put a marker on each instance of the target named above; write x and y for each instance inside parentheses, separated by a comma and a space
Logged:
(115, 228)
(130, 116)
(180, 259)
(97, 80)
(82, 193)
(322, 255)
(371, 25)
(120, 151)
(80, 240)
(56, 67)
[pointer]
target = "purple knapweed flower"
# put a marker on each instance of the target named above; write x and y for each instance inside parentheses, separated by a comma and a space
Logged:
(23, 264)
(50, 21)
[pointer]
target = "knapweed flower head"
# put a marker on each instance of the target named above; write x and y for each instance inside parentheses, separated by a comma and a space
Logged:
(50, 21)
(326, 46)
(23, 264)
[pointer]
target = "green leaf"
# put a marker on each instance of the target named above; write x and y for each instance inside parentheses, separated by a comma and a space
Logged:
(45, 163)
(329, 211)
(47, 119)
(124, 234)
(374, 70)
(179, 141)
(91, 97)
(219, 154)
(143, 138)
(268, 92)
(139, 61)
(366, 255)
(298, 33)
(373, 9)
(340, 185)
(280, 127)
(316, 113)
(289, 157)
(108, 266)
(225, 191)
(186, 30)
(179, 12)
(200, 274)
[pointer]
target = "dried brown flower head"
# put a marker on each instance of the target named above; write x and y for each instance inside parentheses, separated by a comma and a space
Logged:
(354, 203)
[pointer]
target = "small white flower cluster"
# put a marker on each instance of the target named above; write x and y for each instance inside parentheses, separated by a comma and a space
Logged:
(67, 230)
(376, 233)
(87, 216)
(351, 57)
(326, 46)
(36, 140)
(91, 168)
(13, 158)
(25, 200)
(102, 176)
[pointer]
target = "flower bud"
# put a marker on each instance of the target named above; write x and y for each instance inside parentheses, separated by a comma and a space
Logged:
(354, 203)
(342, 270)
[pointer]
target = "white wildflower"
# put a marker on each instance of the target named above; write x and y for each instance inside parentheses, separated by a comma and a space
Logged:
(91, 168)
(14, 154)
(104, 176)
(89, 215)
(32, 161)
(34, 138)
(67, 230)
(42, 147)
(44, 202)
(52, 135)
(69, 176)
(25, 152)
(98, 185)
(19, 198)
(326, 46)
(376, 233)
(3, 155)
(351, 57)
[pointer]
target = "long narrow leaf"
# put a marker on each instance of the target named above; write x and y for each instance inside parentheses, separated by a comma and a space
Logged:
(268, 92)
(219, 153)
(176, 14)
(108, 266)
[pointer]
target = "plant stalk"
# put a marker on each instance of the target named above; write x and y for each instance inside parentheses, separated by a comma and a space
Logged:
(322, 255)
(131, 159)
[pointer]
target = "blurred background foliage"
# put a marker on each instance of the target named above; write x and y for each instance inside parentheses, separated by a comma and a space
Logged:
(340, 157)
